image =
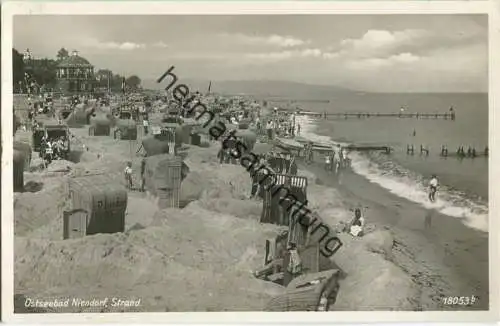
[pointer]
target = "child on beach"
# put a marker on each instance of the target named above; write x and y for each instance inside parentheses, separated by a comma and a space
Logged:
(128, 175)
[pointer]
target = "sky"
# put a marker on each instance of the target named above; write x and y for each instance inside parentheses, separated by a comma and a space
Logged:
(377, 53)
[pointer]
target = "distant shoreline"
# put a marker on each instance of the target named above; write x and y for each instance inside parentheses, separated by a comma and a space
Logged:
(264, 88)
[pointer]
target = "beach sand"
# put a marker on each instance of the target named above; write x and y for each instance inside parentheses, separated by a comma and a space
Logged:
(445, 259)
(201, 257)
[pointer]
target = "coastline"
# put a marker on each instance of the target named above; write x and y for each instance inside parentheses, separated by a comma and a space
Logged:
(447, 259)
(217, 240)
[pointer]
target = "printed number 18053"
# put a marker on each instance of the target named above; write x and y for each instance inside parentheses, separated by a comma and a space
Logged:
(463, 301)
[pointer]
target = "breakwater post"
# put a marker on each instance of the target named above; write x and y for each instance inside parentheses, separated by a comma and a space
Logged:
(460, 153)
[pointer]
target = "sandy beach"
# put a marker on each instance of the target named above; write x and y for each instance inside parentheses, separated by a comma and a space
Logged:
(216, 242)
(447, 259)
(122, 202)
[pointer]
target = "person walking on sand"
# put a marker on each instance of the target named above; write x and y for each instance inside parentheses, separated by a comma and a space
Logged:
(340, 158)
(433, 186)
(128, 175)
(337, 166)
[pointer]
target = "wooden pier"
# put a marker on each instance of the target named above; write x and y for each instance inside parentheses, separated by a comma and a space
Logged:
(364, 115)
(298, 145)
(280, 100)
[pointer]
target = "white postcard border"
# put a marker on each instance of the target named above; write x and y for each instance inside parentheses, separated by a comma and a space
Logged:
(245, 7)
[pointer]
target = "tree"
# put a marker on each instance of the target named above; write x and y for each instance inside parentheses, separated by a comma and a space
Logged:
(17, 69)
(62, 54)
(116, 83)
(133, 82)
(102, 76)
(45, 72)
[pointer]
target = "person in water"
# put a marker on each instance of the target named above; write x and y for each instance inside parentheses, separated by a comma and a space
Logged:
(444, 151)
(433, 186)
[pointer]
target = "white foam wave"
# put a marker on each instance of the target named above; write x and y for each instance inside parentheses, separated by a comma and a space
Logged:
(472, 214)
(308, 131)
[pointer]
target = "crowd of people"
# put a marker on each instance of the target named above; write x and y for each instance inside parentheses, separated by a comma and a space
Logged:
(56, 147)
(335, 159)
(281, 124)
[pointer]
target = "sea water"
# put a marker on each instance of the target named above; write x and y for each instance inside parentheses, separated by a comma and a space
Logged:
(464, 183)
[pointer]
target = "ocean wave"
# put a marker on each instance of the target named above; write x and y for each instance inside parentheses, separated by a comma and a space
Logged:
(408, 184)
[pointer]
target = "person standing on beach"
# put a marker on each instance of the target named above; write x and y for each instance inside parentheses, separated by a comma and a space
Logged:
(145, 124)
(128, 175)
(337, 165)
(327, 162)
(340, 158)
(345, 159)
(257, 123)
(261, 178)
(143, 175)
(332, 160)
(269, 129)
(433, 186)
(255, 180)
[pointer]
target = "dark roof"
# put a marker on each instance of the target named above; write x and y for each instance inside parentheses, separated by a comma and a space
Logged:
(74, 61)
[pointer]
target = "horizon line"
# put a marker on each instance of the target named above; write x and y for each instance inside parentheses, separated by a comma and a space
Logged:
(340, 88)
